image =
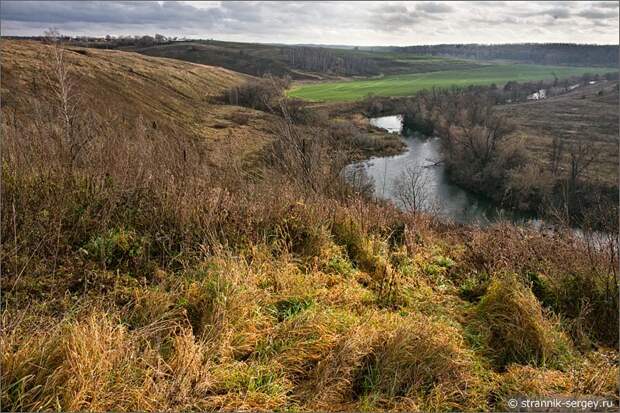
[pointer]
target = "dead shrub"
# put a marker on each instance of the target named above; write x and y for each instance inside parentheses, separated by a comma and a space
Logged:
(262, 94)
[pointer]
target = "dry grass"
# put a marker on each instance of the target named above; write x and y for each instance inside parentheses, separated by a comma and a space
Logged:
(169, 96)
(515, 327)
(597, 375)
(144, 276)
(423, 364)
(577, 116)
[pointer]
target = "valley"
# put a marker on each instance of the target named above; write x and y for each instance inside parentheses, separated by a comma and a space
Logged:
(179, 232)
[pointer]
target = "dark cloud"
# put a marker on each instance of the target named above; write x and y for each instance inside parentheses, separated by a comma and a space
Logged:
(606, 4)
(558, 13)
(394, 17)
(597, 14)
(112, 12)
(561, 10)
(433, 8)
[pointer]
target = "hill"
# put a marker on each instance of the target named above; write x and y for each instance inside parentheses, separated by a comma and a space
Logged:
(298, 62)
(587, 114)
(171, 94)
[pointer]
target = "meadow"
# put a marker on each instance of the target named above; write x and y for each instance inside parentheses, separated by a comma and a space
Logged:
(409, 84)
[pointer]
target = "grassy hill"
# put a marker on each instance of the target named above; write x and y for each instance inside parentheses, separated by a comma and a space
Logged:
(149, 268)
(409, 84)
(171, 94)
(258, 59)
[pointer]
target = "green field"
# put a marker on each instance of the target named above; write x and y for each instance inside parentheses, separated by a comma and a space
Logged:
(409, 84)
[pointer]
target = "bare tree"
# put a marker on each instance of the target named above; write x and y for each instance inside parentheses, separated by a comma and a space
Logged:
(481, 131)
(412, 189)
(581, 157)
(557, 148)
(64, 89)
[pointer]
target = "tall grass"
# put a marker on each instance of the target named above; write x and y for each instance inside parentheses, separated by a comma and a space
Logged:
(141, 276)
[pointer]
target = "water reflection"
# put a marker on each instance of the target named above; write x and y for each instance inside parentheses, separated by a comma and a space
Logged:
(444, 198)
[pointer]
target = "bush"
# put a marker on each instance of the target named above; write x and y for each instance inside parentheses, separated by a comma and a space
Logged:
(116, 247)
(298, 111)
(262, 94)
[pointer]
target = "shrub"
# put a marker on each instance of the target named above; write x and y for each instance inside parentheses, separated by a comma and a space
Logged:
(262, 94)
(116, 247)
(338, 264)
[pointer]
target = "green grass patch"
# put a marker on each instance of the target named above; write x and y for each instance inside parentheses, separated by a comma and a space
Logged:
(409, 84)
(286, 309)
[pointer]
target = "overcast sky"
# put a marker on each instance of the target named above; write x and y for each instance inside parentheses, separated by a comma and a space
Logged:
(351, 23)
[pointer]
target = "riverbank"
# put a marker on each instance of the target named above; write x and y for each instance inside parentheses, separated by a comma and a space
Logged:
(436, 191)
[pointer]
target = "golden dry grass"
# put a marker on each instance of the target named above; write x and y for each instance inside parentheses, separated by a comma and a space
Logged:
(173, 96)
(516, 328)
(142, 278)
(258, 332)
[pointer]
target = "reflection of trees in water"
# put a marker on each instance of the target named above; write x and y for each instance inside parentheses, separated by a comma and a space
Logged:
(413, 190)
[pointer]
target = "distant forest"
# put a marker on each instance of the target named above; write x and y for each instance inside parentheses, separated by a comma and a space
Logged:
(326, 61)
(545, 54)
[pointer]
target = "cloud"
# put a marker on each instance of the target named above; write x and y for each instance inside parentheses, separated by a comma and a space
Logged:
(114, 12)
(433, 8)
(606, 4)
(597, 14)
(561, 10)
(558, 13)
(357, 23)
(394, 17)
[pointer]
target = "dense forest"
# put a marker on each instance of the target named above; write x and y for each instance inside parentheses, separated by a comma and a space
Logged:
(547, 54)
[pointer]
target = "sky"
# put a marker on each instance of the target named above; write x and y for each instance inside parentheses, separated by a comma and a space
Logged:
(322, 22)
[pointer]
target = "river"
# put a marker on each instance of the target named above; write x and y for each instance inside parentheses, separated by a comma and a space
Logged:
(440, 195)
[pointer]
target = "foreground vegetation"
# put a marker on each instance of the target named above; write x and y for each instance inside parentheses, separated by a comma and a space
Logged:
(410, 84)
(144, 271)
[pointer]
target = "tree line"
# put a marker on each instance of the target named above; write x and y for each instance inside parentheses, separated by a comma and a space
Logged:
(546, 54)
(322, 60)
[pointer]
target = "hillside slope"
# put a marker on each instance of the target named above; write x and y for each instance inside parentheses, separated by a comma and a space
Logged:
(300, 62)
(173, 94)
(587, 114)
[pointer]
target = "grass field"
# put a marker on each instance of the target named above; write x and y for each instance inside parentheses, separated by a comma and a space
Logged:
(408, 84)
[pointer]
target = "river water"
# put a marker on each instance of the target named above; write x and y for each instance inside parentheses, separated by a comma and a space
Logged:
(440, 195)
